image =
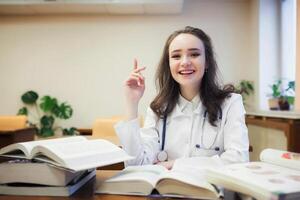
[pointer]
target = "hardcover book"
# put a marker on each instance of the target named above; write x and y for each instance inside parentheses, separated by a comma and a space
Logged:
(43, 190)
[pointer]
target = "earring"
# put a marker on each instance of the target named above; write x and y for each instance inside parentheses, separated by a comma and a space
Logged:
(206, 70)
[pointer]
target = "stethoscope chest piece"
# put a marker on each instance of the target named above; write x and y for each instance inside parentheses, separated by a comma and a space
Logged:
(162, 156)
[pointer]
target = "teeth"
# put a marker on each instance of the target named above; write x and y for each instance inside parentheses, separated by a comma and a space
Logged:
(186, 72)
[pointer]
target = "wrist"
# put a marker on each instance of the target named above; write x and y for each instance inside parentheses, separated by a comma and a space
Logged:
(131, 112)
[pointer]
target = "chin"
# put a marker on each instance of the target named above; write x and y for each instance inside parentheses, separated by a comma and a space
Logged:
(187, 83)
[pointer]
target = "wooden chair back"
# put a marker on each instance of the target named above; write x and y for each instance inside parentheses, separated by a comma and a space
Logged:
(10, 123)
(104, 127)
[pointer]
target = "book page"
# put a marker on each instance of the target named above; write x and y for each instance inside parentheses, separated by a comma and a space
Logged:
(282, 158)
(83, 154)
(16, 151)
(147, 173)
(261, 178)
(192, 176)
(27, 147)
(133, 180)
(196, 163)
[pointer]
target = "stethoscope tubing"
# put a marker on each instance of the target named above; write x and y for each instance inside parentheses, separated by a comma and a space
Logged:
(164, 133)
(165, 127)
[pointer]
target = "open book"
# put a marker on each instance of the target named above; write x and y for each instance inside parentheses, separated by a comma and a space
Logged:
(277, 176)
(155, 179)
(76, 153)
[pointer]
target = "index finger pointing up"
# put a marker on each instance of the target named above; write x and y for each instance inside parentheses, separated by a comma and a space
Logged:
(135, 64)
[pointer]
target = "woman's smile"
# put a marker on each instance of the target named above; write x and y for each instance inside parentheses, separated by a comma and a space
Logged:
(186, 72)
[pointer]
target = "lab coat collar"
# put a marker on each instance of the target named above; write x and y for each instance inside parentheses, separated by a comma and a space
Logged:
(182, 102)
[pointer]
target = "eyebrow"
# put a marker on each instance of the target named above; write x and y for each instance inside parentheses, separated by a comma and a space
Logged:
(191, 49)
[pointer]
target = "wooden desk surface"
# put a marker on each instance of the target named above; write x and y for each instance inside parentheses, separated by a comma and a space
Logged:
(275, 114)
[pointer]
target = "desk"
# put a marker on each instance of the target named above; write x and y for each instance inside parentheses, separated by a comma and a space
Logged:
(286, 121)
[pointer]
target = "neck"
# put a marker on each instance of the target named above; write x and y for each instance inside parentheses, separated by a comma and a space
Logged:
(189, 93)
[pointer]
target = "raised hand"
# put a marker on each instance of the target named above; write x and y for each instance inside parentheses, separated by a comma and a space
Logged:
(134, 89)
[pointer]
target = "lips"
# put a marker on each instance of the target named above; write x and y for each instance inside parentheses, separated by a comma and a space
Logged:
(186, 72)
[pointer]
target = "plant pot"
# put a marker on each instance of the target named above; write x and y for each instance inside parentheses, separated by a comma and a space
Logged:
(273, 104)
(284, 104)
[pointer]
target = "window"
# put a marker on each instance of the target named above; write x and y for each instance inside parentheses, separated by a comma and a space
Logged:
(277, 45)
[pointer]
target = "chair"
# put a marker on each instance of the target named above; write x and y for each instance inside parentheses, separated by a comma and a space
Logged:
(104, 127)
(11, 123)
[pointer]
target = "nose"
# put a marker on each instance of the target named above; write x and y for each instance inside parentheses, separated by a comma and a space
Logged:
(185, 61)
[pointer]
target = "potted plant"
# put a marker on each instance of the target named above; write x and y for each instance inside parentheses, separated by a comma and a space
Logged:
(282, 99)
(245, 88)
(276, 93)
(44, 113)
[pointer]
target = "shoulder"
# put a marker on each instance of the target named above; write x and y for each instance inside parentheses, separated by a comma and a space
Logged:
(150, 112)
(150, 118)
(232, 97)
(234, 100)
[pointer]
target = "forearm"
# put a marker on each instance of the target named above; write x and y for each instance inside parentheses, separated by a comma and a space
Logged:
(131, 141)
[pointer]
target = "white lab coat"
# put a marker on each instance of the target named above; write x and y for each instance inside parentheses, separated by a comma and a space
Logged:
(188, 135)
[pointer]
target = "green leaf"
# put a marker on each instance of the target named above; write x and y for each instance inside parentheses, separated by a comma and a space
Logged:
(71, 131)
(23, 111)
(250, 86)
(291, 100)
(48, 103)
(275, 89)
(29, 97)
(245, 88)
(47, 121)
(63, 111)
(291, 85)
(46, 132)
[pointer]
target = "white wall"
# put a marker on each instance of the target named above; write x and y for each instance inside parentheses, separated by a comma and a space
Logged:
(252, 73)
(85, 59)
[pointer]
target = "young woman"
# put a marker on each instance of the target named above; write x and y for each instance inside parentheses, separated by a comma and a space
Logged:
(191, 115)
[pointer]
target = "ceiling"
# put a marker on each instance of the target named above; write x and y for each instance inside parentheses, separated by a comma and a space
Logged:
(113, 7)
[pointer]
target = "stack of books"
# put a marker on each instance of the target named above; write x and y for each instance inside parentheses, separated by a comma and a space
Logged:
(55, 167)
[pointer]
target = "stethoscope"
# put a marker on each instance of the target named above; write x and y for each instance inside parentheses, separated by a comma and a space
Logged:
(163, 155)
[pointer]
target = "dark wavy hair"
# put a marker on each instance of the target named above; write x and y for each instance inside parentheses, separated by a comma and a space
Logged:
(211, 93)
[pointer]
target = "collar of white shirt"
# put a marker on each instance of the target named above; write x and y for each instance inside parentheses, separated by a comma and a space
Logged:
(187, 107)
